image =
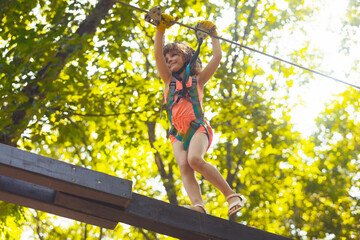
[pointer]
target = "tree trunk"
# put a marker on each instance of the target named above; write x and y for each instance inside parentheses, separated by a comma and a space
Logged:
(167, 178)
(23, 114)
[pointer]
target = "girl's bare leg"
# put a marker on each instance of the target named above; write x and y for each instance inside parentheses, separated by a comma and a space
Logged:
(196, 153)
(187, 174)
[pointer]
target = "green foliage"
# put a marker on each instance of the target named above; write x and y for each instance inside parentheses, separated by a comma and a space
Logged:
(337, 152)
(94, 100)
(11, 218)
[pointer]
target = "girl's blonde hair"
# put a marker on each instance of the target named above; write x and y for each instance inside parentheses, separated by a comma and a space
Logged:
(186, 52)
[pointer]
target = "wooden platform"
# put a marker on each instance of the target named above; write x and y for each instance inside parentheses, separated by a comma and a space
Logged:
(78, 193)
(43, 199)
(64, 177)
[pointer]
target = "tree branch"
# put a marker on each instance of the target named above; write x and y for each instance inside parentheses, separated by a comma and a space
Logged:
(167, 178)
(104, 115)
(85, 232)
(23, 114)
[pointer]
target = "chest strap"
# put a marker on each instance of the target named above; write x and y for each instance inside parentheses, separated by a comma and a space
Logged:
(190, 94)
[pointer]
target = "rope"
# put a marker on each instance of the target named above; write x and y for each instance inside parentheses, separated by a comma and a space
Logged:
(254, 50)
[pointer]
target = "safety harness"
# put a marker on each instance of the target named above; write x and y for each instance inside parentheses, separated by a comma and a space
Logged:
(190, 94)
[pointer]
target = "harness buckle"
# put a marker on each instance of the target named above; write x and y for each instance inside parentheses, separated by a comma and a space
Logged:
(195, 124)
(172, 130)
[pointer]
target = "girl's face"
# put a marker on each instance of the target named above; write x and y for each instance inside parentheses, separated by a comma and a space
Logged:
(174, 61)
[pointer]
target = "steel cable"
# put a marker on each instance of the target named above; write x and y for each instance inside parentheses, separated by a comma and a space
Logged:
(254, 50)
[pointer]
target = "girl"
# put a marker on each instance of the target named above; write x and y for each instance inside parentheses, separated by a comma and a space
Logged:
(171, 62)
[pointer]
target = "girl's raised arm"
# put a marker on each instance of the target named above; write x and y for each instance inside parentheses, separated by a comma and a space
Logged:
(163, 69)
(210, 69)
(166, 22)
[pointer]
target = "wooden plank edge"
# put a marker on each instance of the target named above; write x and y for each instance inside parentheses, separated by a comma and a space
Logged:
(64, 177)
(40, 198)
(71, 188)
(99, 209)
(56, 210)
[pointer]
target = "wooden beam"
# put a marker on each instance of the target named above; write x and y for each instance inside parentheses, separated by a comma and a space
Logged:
(109, 212)
(64, 177)
(71, 191)
(41, 198)
(182, 223)
(168, 219)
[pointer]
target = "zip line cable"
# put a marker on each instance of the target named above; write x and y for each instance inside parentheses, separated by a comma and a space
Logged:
(251, 49)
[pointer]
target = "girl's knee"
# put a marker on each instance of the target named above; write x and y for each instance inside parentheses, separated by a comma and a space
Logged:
(196, 162)
(185, 168)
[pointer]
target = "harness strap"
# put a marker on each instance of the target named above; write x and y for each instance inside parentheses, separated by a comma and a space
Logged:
(172, 90)
(190, 94)
(186, 138)
(193, 97)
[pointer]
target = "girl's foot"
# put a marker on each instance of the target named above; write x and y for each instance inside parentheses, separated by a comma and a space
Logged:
(236, 203)
(197, 207)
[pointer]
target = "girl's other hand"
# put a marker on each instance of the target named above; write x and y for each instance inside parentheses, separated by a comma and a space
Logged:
(210, 26)
(166, 22)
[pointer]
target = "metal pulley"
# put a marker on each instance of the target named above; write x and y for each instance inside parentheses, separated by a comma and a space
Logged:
(201, 32)
(154, 16)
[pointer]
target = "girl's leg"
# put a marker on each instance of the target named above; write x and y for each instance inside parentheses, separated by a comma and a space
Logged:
(196, 152)
(187, 174)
